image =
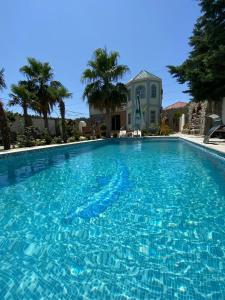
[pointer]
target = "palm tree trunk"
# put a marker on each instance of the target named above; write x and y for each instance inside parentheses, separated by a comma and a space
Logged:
(45, 116)
(26, 117)
(62, 113)
(4, 128)
(108, 123)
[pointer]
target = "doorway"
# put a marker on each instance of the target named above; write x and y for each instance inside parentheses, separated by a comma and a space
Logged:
(116, 122)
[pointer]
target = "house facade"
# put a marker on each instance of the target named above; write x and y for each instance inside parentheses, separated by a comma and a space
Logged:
(173, 114)
(143, 107)
(144, 101)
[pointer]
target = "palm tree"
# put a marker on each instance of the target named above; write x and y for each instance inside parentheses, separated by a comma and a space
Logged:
(4, 128)
(23, 97)
(102, 90)
(2, 79)
(40, 76)
(59, 93)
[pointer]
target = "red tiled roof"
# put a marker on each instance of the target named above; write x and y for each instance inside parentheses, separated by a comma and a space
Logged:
(176, 105)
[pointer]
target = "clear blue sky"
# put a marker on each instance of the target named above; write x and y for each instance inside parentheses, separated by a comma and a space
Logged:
(149, 34)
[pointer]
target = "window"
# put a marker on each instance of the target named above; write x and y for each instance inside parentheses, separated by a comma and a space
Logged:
(129, 119)
(143, 115)
(140, 91)
(153, 93)
(128, 95)
(152, 116)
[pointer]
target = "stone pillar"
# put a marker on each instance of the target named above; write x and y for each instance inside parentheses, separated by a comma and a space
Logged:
(181, 122)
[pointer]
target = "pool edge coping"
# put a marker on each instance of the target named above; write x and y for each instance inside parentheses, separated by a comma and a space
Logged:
(18, 151)
(208, 147)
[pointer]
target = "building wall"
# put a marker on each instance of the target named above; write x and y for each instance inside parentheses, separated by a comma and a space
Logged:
(148, 103)
(172, 117)
(100, 118)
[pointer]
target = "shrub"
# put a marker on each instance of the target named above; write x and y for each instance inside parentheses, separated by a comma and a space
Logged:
(150, 131)
(165, 130)
(32, 132)
(154, 131)
(25, 141)
(76, 134)
(28, 138)
(56, 140)
(46, 136)
(72, 139)
(103, 127)
(115, 135)
(39, 142)
(144, 132)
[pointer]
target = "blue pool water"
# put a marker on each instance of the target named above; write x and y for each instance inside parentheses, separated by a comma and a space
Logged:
(113, 220)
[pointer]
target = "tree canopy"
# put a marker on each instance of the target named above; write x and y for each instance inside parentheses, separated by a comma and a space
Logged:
(204, 69)
(102, 91)
(44, 91)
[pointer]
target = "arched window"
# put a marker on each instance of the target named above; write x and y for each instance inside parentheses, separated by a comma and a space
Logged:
(153, 92)
(140, 91)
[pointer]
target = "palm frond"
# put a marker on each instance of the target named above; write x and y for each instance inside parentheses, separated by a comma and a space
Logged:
(101, 75)
(2, 79)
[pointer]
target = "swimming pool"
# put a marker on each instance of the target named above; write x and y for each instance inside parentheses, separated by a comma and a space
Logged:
(118, 219)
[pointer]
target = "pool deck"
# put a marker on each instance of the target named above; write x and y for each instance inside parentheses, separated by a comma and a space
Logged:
(215, 144)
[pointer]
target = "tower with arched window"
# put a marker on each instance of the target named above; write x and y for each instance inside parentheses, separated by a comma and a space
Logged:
(147, 88)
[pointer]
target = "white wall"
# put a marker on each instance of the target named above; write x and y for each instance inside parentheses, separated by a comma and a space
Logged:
(18, 125)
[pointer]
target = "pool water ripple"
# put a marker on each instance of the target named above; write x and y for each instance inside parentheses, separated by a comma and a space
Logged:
(154, 227)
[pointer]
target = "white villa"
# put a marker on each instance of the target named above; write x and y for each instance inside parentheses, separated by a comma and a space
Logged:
(143, 107)
(144, 101)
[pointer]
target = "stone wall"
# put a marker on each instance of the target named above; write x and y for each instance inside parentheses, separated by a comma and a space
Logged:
(198, 123)
(196, 117)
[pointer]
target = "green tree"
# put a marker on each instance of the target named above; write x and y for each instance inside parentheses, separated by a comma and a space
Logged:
(204, 69)
(23, 97)
(103, 91)
(40, 76)
(59, 93)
